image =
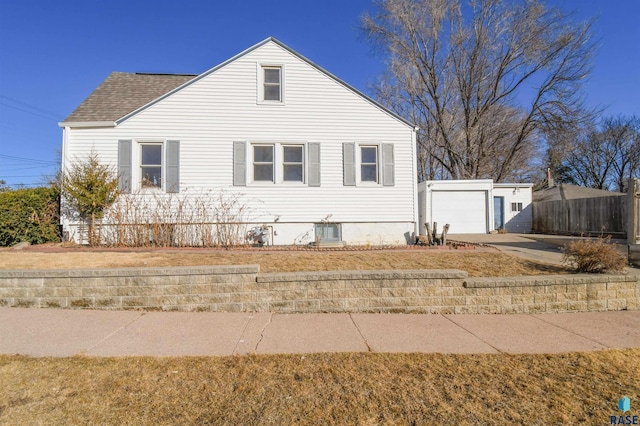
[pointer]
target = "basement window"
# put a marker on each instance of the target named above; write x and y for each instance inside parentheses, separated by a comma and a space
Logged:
(328, 232)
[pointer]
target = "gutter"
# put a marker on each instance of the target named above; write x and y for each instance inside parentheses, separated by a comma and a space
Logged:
(87, 124)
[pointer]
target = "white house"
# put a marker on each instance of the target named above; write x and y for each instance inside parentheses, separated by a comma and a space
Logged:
(305, 155)
(475, 206)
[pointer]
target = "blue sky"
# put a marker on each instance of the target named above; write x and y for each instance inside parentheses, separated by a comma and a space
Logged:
(53, 54)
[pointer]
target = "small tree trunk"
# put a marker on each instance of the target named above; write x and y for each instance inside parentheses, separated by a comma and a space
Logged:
(92, 230)
(429, 236)
(443, 237)
(435, 233)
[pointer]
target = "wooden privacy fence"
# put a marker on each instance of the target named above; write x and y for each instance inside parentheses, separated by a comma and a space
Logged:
(588, 216)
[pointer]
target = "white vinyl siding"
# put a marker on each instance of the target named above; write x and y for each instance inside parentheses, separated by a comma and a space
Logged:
(217, 118)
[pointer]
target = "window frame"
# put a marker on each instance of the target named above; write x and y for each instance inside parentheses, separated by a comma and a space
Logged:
(361, 163)
(301, 163)
(516, 207)
(141, 166)
(263, 163)
(278, 164)
(318, 228)
(262, 84)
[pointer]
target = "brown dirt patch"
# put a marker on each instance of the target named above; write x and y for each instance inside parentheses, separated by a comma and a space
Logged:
(476, 262)
(358, 388)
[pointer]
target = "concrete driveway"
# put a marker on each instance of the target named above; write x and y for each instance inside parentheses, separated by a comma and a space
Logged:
(539, 247)
(529, 246)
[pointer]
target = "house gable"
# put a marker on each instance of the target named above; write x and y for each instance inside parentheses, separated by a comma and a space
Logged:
(123, 95)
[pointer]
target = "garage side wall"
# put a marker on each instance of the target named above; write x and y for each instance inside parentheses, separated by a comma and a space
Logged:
(517, 206)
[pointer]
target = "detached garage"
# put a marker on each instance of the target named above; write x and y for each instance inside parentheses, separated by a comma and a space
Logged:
(472, 207)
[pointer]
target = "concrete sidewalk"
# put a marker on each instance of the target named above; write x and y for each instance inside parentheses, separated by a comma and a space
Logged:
(61, 333)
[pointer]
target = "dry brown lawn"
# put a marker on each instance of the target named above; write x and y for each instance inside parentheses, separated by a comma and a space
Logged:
(478, 262)
(359, 388)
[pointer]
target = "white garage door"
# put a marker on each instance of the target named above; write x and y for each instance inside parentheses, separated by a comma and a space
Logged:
(465, 211)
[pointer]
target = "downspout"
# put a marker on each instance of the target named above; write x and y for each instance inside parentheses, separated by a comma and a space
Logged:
(65, 133)
(414, 155)
(63, 154)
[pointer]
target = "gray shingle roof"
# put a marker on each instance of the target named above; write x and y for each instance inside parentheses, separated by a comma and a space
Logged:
(571, 192)
(107, 102)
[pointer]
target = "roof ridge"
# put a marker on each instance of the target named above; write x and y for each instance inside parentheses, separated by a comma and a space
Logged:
(165, 73)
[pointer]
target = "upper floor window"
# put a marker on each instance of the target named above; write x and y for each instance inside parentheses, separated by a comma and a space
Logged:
(272, 84)
(151, 165)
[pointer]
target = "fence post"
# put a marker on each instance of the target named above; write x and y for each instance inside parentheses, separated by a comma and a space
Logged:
(633, 197)
(632, 211)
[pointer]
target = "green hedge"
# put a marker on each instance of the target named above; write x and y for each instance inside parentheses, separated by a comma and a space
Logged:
(29, 215)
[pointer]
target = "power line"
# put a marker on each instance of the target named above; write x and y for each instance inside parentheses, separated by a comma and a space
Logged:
(27, 160)
(29, 112)
(51, 114)
(21, 176)
(14, 169)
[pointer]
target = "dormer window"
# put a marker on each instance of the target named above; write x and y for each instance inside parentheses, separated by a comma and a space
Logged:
(270, 84)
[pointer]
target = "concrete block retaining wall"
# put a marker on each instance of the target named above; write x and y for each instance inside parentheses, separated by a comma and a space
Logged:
(243, 288)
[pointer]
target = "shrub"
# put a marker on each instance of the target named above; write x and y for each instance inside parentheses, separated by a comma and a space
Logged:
(593, 255)
(90, 187)
(207, 219)
(29, 215)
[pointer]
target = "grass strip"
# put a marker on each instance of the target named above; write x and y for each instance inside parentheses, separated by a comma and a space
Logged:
(344, 388)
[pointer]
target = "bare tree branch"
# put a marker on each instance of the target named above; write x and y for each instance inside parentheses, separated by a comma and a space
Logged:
(461, 71)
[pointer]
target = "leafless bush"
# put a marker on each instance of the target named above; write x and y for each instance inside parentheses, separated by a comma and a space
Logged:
(593, 255)
(209, 219)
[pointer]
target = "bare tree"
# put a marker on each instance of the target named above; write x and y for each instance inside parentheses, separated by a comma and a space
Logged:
(603, 156)
(461, 72)
(623, 135)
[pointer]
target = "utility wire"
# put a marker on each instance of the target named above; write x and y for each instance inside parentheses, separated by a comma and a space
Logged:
(29, 112)
(27, 160)
(52, 115)
(14, 169)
